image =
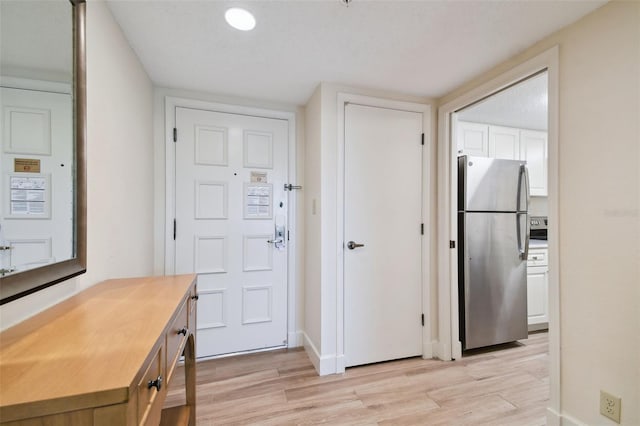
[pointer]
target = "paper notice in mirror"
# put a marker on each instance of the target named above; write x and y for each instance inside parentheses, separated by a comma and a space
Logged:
(259, 177)
(28, 196)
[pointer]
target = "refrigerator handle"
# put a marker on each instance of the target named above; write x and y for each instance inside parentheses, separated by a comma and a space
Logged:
(523, 249)
(523, 178)
(526, 187)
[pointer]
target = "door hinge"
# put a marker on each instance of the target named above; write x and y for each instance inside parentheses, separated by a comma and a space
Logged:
(287, 235)
(174, 229)
(422, 319)
(175, 134)
(422, 229)
(423, 139)
(452, 244)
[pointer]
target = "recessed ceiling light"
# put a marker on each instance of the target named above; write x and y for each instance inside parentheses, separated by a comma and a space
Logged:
(240, 19)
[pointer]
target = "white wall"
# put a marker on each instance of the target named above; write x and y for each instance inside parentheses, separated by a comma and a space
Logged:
(321, 256)
(600, 189)
(119, 167)
(313, 231)
(599, 207)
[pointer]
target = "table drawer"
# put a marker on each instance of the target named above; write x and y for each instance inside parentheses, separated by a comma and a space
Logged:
(150, 385)
(176, 335)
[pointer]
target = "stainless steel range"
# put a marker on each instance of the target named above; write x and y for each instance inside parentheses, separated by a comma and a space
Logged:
(538, 226)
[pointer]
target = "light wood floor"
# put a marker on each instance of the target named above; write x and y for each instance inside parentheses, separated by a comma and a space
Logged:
(507, 386)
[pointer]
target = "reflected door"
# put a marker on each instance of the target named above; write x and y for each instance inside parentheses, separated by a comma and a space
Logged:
(231, 216)
(36, 227)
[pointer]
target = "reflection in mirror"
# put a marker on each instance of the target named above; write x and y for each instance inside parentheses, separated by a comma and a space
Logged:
(36, 225)
(39, 234)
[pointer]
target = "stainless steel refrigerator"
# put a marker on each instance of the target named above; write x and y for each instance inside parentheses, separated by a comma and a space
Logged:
(493, 239)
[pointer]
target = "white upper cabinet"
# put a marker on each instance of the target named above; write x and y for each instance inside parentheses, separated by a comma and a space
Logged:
(533, 149)
(504, 143)
(473, 139)
(484, 140)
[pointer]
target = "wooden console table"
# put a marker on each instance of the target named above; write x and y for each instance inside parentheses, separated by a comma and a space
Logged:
(103, 357)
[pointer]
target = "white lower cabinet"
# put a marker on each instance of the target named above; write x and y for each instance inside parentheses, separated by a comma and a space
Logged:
(537, 289)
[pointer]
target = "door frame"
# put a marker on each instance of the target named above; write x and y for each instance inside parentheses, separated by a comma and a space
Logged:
(171, 103)
(449, 346)
(343, 99)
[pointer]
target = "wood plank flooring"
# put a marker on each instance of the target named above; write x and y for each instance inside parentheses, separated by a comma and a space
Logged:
(508, 385)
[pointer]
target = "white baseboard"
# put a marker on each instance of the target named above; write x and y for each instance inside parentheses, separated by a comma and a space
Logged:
(340, 364)
(427, 350)
(556, 419)
(457, 350)
(439, 351)
(566, 420)
(312, 352)
(538, 327)
(324, 364)
(295, 339)
(553, 418)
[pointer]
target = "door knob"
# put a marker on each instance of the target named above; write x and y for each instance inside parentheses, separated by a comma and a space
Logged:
(352, 245)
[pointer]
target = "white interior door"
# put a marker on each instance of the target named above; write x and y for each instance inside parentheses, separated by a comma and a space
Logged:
(383, 199)
(230, 199)
(36, 186)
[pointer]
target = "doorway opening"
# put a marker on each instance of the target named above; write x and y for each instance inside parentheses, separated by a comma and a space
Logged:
(502, 239)
(449, 345)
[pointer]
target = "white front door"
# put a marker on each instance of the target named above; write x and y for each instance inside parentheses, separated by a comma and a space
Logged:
(231, 217)
(383, 212)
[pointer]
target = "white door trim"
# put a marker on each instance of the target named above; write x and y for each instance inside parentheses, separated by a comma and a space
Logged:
(171, 103)
(344, 98)
(40, 85)
(449, 344)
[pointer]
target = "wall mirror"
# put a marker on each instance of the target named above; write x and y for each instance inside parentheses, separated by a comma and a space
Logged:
(42, 144)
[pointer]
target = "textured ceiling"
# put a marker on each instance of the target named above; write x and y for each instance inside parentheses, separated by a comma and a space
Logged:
(422, 48)
(35, 39)
(523, 105)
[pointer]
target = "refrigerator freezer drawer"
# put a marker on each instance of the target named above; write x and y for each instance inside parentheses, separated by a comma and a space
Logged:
(488, 184)
(493, 279)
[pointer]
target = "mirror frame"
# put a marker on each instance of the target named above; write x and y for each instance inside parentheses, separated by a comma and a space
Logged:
(23, 283)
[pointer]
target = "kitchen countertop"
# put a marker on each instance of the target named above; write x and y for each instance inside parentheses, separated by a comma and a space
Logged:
(538, 244)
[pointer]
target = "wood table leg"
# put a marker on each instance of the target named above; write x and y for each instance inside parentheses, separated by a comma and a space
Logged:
(190, 377)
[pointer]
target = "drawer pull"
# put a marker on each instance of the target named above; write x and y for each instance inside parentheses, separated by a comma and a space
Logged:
(157, 383)
(196, 297)
(183, 331)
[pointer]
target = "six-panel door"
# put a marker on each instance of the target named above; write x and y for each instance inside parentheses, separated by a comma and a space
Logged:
(230, 198)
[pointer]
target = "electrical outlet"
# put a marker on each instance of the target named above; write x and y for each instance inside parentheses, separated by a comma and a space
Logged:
(610, 406)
